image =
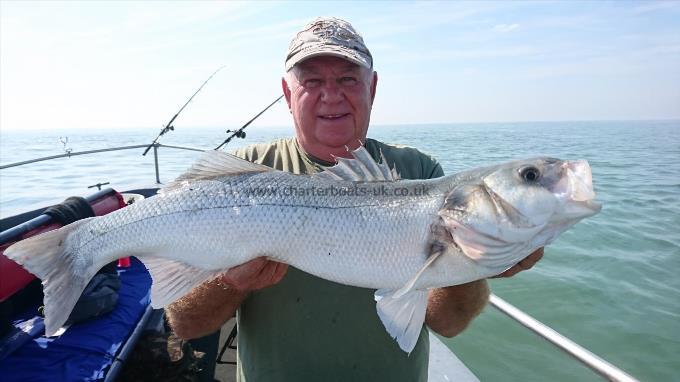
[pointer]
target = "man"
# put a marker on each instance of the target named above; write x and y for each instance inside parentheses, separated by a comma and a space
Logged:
(294, 326)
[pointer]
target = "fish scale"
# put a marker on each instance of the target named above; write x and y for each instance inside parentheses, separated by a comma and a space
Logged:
(400, 237)
(360, 234)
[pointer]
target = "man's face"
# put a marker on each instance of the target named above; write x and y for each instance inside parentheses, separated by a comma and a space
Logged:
(330, 99)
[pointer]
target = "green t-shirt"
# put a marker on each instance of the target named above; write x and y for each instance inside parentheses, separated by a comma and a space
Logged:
(309, 329)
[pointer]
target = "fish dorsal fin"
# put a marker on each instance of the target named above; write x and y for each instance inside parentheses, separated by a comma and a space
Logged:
(215, 164)
(362, 167)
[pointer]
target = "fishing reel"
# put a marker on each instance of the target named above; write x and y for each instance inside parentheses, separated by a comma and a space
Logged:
(237, 133)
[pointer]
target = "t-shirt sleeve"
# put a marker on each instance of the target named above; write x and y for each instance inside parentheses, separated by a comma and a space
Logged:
(248, 153)
(430, 167)
(436, 170)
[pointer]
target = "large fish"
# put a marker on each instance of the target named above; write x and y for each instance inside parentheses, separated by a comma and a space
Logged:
(355, 223)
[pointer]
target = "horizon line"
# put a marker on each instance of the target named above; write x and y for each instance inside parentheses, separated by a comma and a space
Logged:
(378, 125)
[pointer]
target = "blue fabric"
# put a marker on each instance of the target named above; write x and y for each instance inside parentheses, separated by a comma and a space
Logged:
(22, 333)
(86, 350)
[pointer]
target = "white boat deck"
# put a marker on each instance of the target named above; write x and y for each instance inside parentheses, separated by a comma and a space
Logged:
(445, 366)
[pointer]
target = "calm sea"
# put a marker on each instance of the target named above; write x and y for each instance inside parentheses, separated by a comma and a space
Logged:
(611, 283)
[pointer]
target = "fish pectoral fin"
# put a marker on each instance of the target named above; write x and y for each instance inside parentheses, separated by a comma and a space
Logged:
(215, 164)
(412, 282)
(173, 279)
(403, 316)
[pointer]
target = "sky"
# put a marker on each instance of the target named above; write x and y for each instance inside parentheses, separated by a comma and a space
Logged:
(128, 65)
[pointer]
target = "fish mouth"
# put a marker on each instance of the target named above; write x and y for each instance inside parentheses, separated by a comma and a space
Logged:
(575, 188)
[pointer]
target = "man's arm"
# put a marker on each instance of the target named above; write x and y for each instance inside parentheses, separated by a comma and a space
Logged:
(203, 310)
(450, 310)
(206, 308)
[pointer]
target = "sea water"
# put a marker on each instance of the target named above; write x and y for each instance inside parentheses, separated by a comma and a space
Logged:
(611, 283)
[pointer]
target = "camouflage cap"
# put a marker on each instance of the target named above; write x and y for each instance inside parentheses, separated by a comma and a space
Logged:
(328, 36)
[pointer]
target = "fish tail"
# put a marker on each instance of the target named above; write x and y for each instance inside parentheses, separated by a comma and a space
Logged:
(54, 259)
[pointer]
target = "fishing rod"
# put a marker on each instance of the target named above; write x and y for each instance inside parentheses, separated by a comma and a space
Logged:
(168, 126)
(242, 134)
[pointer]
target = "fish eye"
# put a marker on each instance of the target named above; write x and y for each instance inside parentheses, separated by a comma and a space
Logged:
(529, 173)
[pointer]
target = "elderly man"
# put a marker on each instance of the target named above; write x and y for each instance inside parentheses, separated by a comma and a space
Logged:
(292, 325)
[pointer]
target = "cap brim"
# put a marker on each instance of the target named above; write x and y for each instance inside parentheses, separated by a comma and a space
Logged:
(340, 52)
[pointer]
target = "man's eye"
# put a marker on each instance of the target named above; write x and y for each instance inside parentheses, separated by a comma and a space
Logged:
(313, 83)
(348, 81)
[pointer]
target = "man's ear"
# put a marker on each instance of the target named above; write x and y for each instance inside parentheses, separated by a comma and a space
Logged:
(374, 84)
(286, 92)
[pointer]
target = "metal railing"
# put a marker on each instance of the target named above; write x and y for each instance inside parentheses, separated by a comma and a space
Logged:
(119, 148)
(587, 358)
(595, 363)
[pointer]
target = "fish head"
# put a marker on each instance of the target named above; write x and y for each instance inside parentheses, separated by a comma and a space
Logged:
(503, 213)
(544, 190)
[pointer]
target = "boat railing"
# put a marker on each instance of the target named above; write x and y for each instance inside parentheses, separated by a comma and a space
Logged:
(69, 154)
(576, 351)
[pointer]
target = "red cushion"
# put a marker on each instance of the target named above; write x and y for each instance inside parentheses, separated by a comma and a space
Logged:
(13, 277)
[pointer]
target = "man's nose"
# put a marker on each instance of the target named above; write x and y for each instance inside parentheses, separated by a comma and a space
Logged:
(331, 92)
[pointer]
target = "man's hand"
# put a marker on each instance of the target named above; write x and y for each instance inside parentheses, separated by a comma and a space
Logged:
(523, 265)
(253, 275)
(450, 310)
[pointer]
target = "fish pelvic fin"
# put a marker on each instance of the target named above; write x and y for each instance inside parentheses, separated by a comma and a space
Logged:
(173, 279)
(403, 316)
(215, 164)
(402, 311)
(52, 258)
(361, 167)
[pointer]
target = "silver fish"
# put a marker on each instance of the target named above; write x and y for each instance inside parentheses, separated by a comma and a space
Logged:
(355, 223)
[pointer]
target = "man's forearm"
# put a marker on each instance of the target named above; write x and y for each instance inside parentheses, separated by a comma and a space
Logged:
(203, 310)
(451, 309)
(211, 304)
